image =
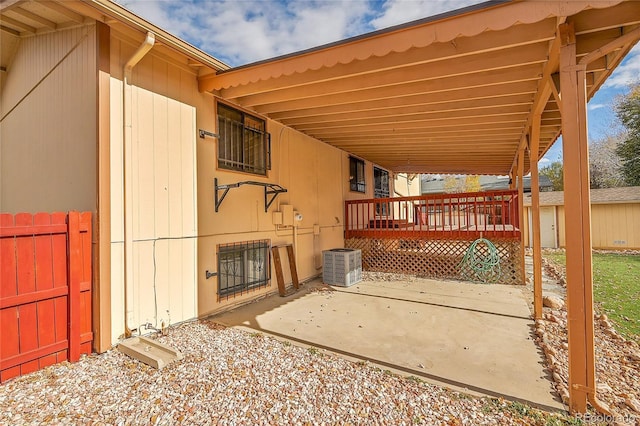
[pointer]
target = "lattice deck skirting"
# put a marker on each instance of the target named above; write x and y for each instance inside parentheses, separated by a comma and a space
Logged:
(434, 258)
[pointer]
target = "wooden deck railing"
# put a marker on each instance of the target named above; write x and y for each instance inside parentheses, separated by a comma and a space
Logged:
(492, 214)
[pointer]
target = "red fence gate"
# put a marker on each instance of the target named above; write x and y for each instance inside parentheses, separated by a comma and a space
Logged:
(45, 290)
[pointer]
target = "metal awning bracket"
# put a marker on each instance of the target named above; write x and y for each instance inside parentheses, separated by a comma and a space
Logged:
(271, 191)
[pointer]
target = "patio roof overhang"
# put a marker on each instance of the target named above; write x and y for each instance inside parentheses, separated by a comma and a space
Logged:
(455, 93)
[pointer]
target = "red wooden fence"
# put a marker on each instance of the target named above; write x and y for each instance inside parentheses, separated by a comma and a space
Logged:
(45, 290)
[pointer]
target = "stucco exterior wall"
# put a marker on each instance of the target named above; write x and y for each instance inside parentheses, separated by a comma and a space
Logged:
(48, 128)
(176, 231)
(316, 178)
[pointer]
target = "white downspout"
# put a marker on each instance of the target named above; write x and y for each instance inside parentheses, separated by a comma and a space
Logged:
(144, 48)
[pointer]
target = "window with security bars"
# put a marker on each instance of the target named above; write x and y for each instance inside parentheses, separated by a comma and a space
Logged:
(356, 174)
(244, 144)
(242, 267)
(381, 190)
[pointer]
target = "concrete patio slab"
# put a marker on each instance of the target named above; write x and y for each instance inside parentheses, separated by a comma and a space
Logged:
(467, 336)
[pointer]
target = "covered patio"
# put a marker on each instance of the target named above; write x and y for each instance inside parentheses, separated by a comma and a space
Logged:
(482, 90)
(470, 337)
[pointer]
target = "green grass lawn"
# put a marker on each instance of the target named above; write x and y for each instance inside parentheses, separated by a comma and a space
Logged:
(616, 288)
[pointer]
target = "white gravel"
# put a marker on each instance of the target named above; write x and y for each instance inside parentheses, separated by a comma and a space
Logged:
(231, 377)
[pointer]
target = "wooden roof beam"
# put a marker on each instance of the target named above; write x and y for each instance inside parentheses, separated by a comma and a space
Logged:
(631, 37)
(57, 7)
(10, 30)
(595, 20)
(429, 108)
(488, 113)
(491, 41)
(6, 5)
(421, 124)
(36, 18)
(442, 85)
(506, 90)
(18, 24)
(508, 58)
(543, 92)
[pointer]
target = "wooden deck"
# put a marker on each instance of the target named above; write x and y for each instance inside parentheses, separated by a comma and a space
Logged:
(466, 216)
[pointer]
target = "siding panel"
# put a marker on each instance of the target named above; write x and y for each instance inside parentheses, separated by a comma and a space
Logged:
(49, 139)
(163, 189)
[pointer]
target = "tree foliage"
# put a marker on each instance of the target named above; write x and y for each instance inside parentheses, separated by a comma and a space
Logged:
(472, 183)
(459, 184)
(605, 164)
(555, 173)
(628, 112)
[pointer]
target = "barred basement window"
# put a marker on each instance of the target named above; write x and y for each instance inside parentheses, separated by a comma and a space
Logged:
(242, 267)
(244, 144)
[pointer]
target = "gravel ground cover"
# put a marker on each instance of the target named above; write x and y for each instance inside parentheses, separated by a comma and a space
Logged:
(617, 359)
(232, 377)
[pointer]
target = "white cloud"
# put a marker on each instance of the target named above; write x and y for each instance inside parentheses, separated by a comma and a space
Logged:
(243, 31)
(400, 11)
(628, 72)
(240, 32)
(593, 107)
(543, 161)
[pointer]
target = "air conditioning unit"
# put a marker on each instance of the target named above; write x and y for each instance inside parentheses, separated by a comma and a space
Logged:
(342, 267)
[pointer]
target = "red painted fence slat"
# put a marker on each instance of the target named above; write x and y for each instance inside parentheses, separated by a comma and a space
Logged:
(45, 290)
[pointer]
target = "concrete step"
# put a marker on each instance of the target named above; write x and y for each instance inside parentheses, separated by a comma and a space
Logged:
(149, 351)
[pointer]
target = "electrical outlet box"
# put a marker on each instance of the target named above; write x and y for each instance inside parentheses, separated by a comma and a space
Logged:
(277, 218)
(287, 214)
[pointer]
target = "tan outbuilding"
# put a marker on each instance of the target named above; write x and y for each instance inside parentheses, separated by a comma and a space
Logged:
(194, 170)
(615, 219)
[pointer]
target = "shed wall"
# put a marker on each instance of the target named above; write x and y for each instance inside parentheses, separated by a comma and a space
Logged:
(616, 226)
(613, 226)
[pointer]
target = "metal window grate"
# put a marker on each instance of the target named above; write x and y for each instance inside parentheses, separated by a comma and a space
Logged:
(356, 175)
(243, 143)
(242, 267)
(381, 190)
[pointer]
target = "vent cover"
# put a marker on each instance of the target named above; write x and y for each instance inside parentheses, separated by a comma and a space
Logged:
(342, 267)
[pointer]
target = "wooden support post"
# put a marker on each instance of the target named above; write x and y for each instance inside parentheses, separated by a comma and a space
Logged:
(520, 176)
(580, 326)
(535, 215)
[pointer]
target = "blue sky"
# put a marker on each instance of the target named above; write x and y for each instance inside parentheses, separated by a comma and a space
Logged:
(244, 31)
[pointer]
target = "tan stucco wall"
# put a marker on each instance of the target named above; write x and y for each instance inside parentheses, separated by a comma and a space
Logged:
(405, 185)
(174, 227)
(48, 142)
(316, 178)
(176, 230)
